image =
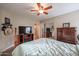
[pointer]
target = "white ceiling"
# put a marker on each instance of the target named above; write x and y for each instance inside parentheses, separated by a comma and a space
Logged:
(23, 9)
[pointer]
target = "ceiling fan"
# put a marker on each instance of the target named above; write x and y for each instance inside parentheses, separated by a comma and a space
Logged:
(41, 9)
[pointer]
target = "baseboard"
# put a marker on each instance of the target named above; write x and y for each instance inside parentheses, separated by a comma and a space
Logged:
(8, 48)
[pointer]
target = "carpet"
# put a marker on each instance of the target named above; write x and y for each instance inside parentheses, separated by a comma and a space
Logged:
(7, 52)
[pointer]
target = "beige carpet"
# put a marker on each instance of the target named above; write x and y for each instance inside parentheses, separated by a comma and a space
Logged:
(8, 52)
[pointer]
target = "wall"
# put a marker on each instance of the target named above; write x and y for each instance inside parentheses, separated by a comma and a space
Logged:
(0, 35)
(0, 31)
(16, 20)
(72, 17)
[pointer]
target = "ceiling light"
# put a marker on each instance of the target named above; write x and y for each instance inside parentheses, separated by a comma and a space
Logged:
(40, 11)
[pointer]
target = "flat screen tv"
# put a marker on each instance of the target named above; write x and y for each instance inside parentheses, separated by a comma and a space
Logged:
(25, 29)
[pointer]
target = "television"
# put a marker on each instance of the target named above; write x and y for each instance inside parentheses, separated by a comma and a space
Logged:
(25, 29)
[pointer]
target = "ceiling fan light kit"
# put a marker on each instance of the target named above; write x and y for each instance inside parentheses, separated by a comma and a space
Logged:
(41, 11)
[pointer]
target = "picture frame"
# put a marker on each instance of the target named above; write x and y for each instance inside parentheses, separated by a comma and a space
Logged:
(66, 24)
(7, 20)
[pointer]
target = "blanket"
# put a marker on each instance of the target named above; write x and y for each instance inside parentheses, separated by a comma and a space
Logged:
(46, 47)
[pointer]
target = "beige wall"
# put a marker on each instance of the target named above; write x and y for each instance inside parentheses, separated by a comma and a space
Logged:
(0, 30)
(16, 20)
(72, 17)
(0, 35)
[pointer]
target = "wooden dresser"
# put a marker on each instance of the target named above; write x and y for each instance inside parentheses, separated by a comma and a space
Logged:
(67, 35)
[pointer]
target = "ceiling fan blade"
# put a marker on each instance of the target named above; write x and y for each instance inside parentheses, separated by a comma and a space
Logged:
(34, 10)
(49, 7)
(45, 12)
(39, 5)
(38, 14)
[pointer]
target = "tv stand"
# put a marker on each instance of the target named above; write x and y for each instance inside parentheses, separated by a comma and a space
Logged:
(23, 38)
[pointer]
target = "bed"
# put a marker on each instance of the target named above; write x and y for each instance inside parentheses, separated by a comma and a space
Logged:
(46, 47)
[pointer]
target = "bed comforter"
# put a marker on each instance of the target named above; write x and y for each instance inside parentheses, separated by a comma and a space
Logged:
(46, 47)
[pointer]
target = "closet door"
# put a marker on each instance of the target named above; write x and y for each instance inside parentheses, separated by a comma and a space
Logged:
(37, 30)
